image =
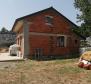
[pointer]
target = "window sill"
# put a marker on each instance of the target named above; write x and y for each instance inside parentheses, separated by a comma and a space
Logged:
(49, 24)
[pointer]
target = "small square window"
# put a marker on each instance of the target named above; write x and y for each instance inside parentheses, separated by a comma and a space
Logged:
(61, 41)
(49, 20)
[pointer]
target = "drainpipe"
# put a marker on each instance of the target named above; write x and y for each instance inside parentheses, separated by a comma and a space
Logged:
(26, 39)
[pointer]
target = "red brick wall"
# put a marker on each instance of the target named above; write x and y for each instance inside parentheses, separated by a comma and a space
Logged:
(60, 26)
(39, 42)
(44, 43)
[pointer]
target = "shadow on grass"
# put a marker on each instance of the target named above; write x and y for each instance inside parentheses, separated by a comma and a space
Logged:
(49, 58)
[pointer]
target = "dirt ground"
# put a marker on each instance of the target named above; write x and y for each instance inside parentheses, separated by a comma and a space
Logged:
(7, 57)
(43, 72)
(3, 50)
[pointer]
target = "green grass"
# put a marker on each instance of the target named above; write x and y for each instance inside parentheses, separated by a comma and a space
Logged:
(64, 71)
(62, 61)
(70, 70)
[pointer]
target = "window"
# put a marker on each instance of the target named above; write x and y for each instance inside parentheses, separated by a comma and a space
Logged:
(61, 41)
(49, 20)
(76, 41)
(38, 53)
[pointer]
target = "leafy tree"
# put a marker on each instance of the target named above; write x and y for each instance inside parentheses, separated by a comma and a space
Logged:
(3, 30)
(84, 6)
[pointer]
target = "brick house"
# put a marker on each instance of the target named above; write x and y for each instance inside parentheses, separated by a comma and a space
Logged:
(46, 33)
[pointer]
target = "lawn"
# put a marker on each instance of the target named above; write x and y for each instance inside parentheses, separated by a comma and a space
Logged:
(44, 72)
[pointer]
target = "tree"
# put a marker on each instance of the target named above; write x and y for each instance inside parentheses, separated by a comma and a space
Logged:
(3, 30)
(84, 6)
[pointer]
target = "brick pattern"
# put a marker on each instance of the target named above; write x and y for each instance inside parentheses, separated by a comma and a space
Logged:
(48, 44)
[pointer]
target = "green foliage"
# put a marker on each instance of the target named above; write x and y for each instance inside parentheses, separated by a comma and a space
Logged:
(3, 30)
(84, 6)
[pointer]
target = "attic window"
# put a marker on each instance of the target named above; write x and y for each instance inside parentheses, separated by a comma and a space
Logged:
(49, 20)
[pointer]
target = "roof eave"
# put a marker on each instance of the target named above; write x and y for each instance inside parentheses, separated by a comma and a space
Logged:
(17, 25)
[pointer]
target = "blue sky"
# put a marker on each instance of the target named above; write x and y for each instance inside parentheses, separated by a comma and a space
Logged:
(13, 9)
